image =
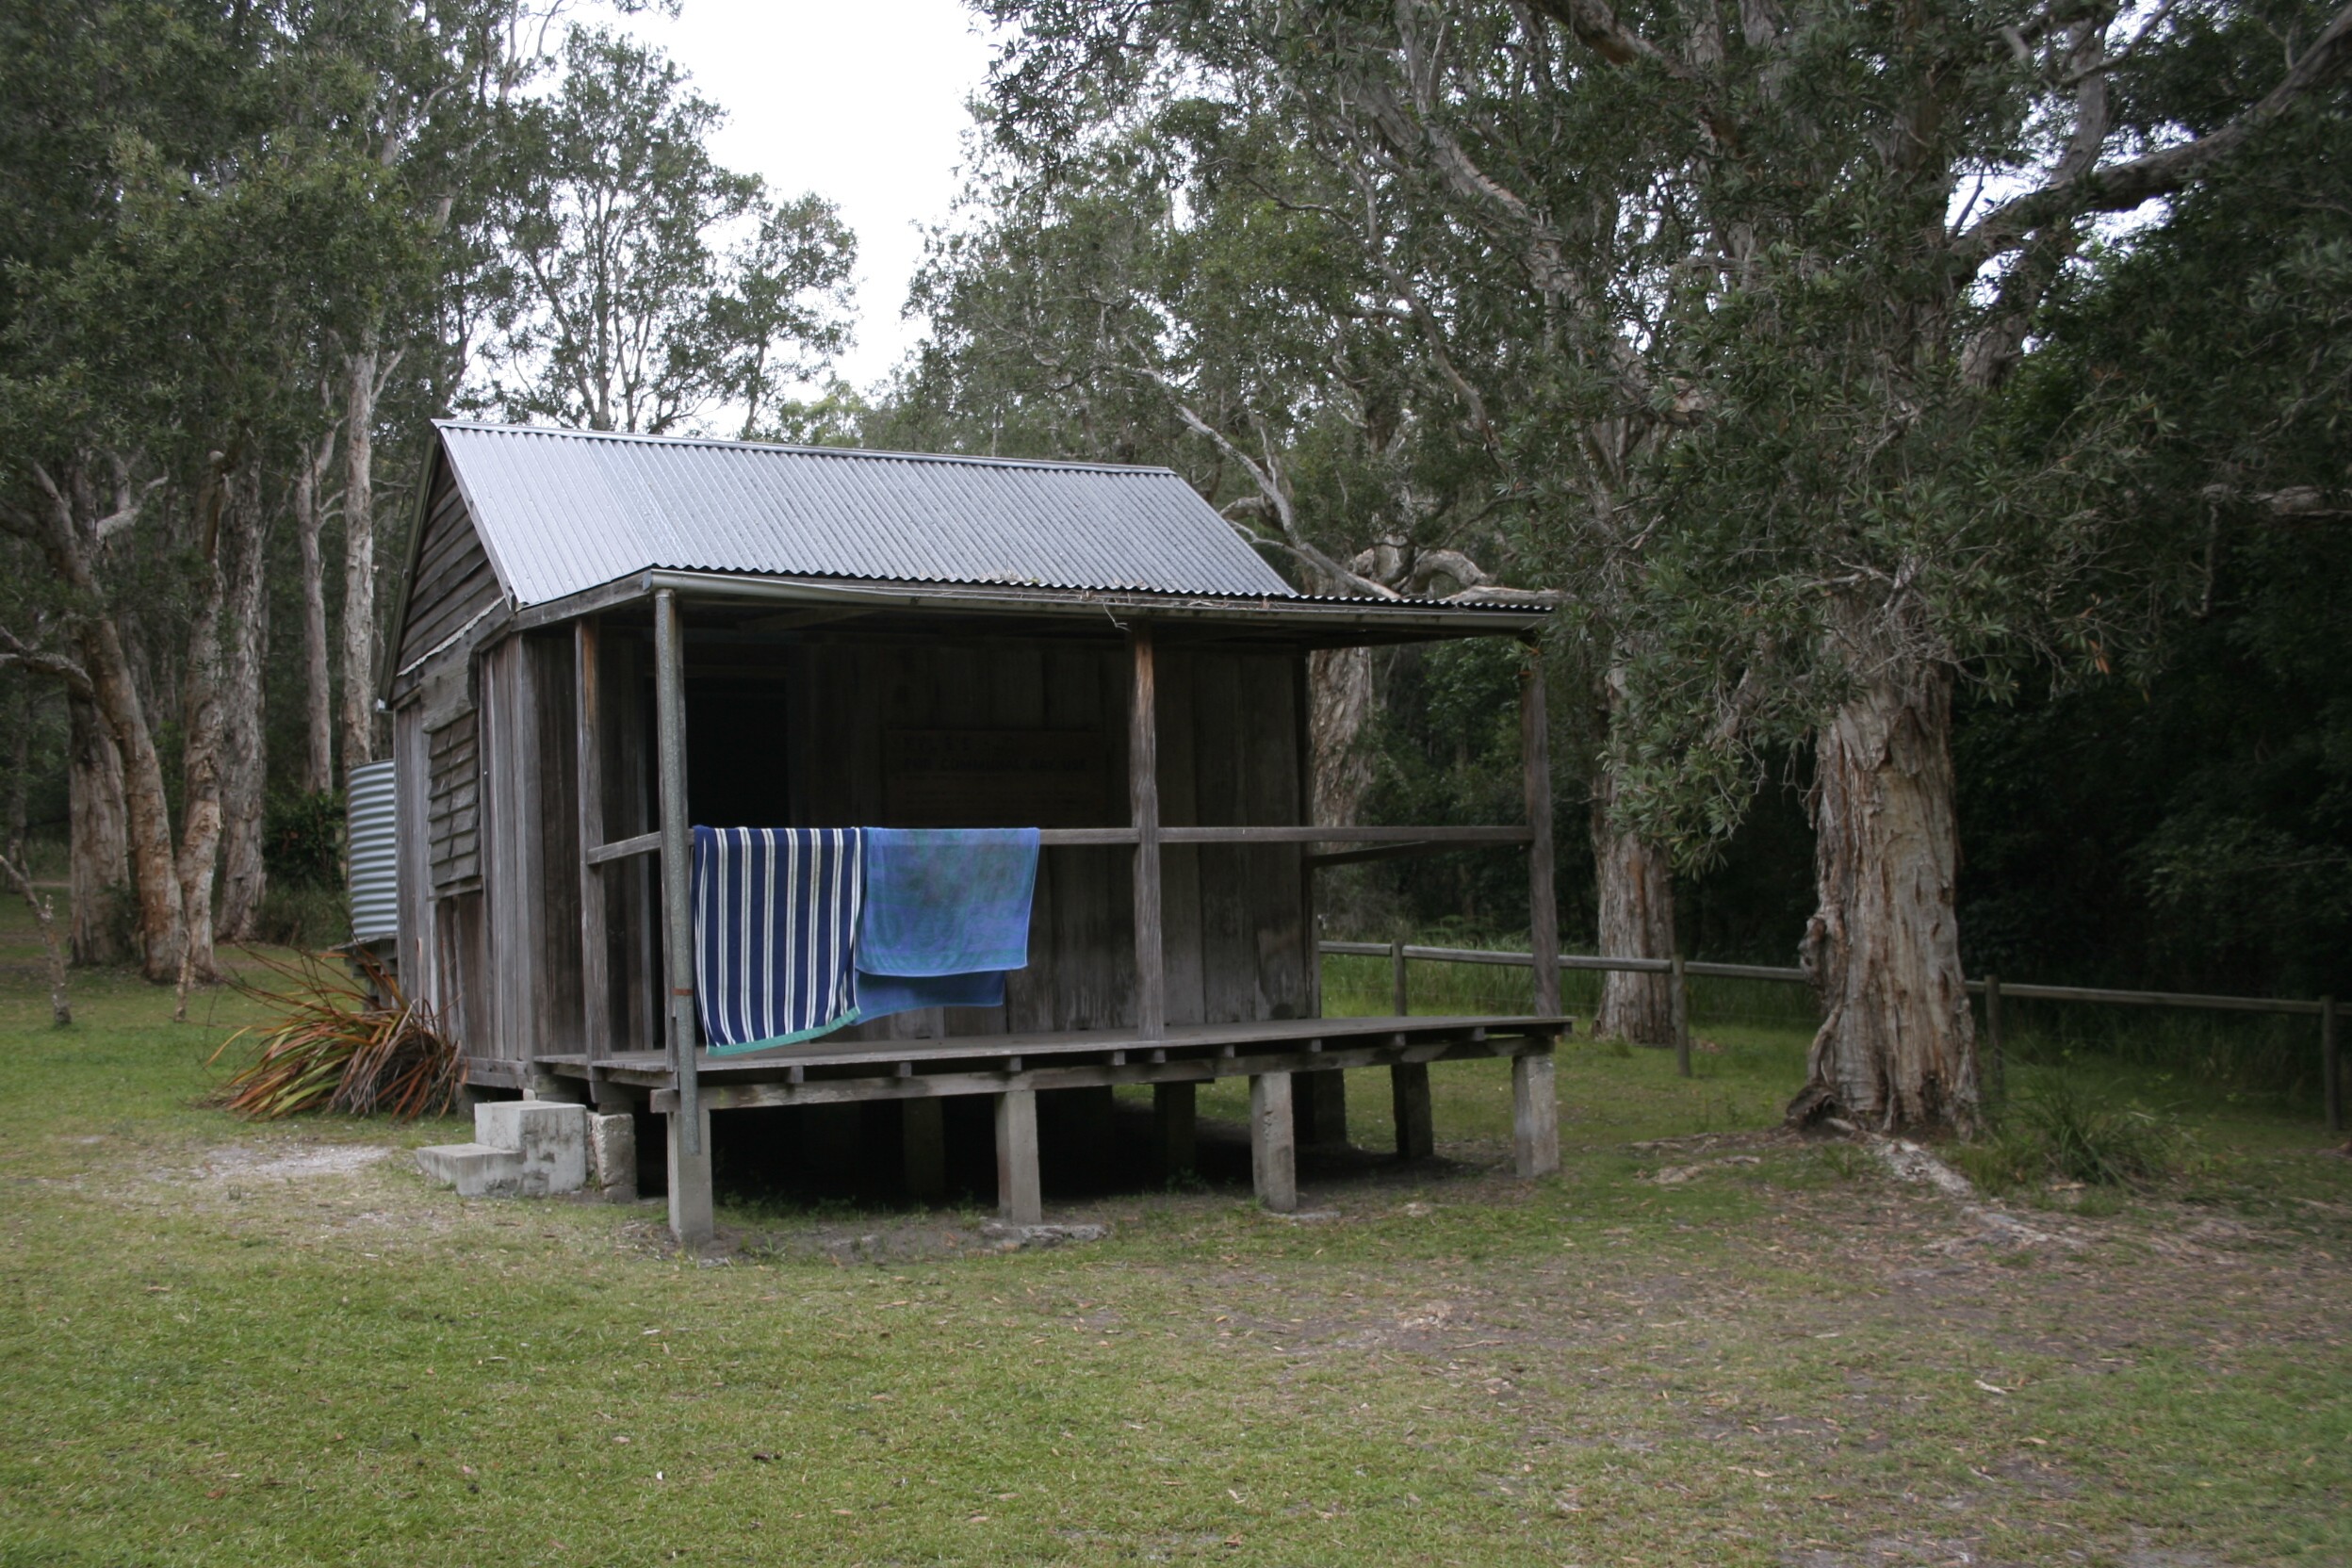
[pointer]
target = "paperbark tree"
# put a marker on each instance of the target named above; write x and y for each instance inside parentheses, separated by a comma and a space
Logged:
(364, 381)
(309, 507)
(202, 723)
(243, 766)
(69, 527)
(1889, 530)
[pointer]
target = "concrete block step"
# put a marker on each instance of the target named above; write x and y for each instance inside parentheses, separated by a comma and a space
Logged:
(521, 1148)
(550, 1136)
(475, 1170)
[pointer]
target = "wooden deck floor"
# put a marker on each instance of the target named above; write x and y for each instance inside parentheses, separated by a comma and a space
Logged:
(1015, 1068)
(819, 1071)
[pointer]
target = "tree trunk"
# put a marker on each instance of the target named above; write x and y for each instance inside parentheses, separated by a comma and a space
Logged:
(1636, 920)
(1897, 1046)
(243, 763)
(1339, 687)
(359, 560)
(203, 724)
(147, 809)
(317, 680)
(98, 862)
(67, 540)
(1636, 903)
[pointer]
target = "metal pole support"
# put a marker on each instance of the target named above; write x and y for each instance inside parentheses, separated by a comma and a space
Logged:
(1397, 976)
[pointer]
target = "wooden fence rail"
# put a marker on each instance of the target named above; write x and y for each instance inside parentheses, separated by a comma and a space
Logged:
(1992, 988)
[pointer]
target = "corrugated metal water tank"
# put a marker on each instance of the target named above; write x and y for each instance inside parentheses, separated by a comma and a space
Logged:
(374, 838)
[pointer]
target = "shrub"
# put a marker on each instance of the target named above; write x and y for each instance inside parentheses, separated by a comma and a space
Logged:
(342, 1043)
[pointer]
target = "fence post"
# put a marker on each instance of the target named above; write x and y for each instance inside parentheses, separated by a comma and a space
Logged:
(2329, 1067)
(1396, 977)
(1992, 1037)
(1678, 1003)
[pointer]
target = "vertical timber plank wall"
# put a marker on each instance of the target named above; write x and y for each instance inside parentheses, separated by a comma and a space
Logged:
(509, 854)
(412, 769)
(633, 953)
(1228, 948)
(1180, 864)
(595, 970)
(553, 968)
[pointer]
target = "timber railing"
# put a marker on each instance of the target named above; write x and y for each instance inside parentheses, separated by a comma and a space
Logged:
(1679, 971)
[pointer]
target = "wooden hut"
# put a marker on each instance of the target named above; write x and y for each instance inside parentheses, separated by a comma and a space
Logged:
(602, 638)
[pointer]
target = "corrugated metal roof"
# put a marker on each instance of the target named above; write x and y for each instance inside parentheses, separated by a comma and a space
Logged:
(562, 512)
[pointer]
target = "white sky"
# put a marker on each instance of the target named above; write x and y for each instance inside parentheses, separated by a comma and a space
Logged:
(863, 104)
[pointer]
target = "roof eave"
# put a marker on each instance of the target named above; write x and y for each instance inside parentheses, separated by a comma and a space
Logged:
(1307, 617)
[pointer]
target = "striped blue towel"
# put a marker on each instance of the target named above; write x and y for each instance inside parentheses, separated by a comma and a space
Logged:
(775, 920)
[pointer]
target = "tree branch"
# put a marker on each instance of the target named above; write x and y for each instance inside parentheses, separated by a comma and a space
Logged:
(1596, 27)
(2121, 186)
(14, 651)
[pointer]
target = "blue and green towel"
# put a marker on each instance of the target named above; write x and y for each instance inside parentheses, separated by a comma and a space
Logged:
(800, 931)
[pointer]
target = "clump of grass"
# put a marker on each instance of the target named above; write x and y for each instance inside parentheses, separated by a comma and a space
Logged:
(339, 1042)
(2060, 1132)
(2096, 1142)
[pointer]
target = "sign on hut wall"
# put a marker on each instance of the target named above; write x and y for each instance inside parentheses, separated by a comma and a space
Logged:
(993, 778)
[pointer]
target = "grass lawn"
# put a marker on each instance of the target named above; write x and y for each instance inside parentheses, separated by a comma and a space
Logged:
(238, 1344)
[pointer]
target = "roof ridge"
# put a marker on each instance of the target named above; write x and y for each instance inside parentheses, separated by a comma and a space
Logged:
(875, 453)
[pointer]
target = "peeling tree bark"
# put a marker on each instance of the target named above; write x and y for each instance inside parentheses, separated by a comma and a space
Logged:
(359, 559)
(1635, 885)
(1897, 1046)
(202, 722)
(1339, 688)
(309, 511)
(245, 643)
(1636, 920)
(98, 857)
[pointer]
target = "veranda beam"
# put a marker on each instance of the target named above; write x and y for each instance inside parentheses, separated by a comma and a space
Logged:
(690, 1175)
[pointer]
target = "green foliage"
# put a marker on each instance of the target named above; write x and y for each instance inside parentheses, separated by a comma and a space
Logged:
(2190, 825)
(623, 305)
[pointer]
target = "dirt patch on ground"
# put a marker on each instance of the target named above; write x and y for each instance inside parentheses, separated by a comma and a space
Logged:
(282, 1162)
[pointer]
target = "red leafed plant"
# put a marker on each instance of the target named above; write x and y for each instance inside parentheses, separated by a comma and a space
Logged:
(339, 1041)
